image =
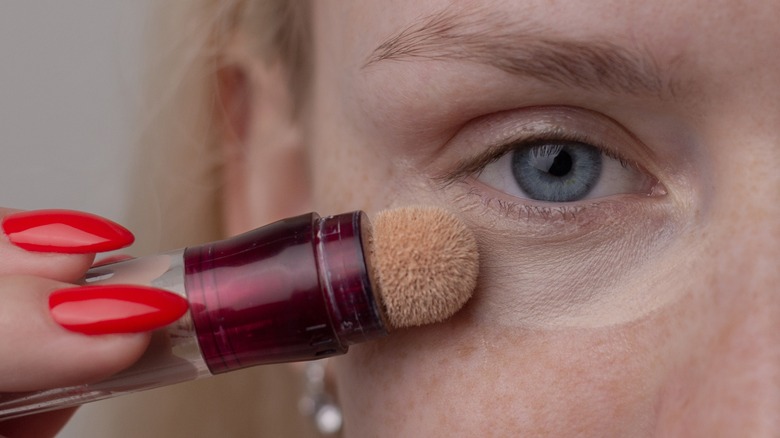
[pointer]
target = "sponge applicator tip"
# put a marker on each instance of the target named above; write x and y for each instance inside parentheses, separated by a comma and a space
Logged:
(425, 263)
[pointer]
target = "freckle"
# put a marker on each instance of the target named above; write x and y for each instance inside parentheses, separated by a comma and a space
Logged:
(466, 351)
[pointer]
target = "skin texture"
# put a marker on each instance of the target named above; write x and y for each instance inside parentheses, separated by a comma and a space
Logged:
(626, 315)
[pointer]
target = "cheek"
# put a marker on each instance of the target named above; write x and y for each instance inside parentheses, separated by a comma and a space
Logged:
(601, 382)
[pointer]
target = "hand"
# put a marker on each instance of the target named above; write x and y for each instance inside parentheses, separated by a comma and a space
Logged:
(35, 352)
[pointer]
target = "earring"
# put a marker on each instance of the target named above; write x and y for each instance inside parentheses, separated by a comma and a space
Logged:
(316, 403)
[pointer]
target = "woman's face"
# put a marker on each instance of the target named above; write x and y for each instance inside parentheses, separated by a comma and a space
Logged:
(618, 163)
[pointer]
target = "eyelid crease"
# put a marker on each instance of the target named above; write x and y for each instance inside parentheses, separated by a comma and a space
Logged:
(540, 124)
(473, 166)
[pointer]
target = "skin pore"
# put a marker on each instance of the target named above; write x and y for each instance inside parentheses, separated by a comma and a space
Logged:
(649, 309)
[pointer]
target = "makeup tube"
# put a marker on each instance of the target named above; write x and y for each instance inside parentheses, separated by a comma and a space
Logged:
(295, 290)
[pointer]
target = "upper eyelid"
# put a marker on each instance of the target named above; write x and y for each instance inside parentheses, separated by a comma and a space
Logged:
(492, 153)
(551, 131)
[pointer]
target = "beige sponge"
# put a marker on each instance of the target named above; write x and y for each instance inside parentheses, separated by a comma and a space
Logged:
(425, 264)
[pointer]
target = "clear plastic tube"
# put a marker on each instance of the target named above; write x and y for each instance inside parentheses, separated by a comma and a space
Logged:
(298, 289)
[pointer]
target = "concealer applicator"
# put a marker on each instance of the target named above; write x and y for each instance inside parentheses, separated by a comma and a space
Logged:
(299, 289)
(425, 265)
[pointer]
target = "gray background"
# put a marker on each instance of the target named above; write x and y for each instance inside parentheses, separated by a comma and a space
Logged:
(69, 86)
(69, 80)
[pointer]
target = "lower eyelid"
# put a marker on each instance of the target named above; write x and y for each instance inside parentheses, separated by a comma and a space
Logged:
(482, 201)
(494, 209)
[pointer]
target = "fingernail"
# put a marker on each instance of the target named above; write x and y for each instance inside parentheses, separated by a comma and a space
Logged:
(115, 308)
(65, 231)
(112, 259)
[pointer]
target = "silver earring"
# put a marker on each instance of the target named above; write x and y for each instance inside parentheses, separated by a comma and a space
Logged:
(316, 403)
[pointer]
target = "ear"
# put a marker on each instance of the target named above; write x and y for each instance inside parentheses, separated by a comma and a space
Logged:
(265, 162)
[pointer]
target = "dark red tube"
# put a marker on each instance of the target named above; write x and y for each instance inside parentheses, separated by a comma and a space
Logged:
(297, 289)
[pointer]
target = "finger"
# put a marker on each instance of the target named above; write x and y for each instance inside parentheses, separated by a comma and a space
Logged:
(37, 353)
(61, 267)
(56, 244)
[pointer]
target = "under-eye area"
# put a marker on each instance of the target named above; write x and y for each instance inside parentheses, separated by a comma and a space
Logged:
(566, 211)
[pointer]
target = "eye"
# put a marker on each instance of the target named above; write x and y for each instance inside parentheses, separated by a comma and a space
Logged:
(562, 171)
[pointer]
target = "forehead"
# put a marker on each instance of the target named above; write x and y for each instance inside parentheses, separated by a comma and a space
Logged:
(722, 53)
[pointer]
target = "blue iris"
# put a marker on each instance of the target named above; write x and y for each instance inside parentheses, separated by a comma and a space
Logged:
(557, 172)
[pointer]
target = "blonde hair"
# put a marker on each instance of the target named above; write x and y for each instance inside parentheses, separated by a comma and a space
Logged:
(178, 172)
(177, 202)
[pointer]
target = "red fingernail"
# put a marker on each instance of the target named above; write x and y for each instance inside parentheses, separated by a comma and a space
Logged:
(115, 308)
(64, 231)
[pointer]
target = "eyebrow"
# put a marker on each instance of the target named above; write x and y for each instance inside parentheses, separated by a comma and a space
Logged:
(594, 65)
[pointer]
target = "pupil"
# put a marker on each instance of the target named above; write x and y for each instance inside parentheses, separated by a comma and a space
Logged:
(561, 165)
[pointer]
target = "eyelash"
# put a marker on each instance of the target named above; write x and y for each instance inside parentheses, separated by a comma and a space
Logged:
(471, 169)
(492, 154)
